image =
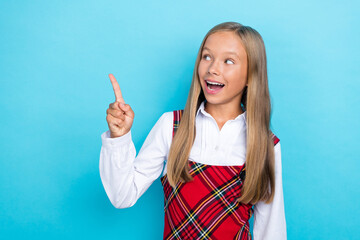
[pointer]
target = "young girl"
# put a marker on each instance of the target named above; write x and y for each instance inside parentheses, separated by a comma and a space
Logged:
(222, 162)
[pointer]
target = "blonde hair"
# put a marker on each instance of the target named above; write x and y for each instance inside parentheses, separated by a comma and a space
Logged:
(259, 183)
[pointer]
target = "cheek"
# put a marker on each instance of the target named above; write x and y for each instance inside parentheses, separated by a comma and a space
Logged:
(244, 71)
(201, 69)
(236, 75)
(237, 78)
(201, 73)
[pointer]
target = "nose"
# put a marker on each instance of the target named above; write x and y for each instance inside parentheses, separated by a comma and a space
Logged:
(213, 68)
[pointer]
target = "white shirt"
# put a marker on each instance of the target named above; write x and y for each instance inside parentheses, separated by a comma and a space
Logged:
(126, 176)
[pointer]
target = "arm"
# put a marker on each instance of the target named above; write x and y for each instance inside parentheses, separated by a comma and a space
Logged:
(269, 219)
(124, 177)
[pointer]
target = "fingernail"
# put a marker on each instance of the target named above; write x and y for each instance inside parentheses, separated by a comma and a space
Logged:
(122, 104)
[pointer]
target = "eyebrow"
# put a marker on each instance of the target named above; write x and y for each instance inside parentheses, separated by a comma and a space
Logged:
(234, 53)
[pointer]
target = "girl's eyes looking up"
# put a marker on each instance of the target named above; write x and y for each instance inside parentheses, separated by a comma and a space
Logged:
(229, 61)
(205, 56)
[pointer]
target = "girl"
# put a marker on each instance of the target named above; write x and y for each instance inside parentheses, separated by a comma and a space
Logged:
(222, 162)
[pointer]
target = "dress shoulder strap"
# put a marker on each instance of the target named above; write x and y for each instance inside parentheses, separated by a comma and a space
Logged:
(275, 138)
(177, 118)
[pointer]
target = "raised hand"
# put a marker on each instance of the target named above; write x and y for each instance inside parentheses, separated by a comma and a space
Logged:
(120, 116)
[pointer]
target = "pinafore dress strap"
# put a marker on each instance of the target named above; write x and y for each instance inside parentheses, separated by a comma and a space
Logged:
(275, 138)
(177, 118)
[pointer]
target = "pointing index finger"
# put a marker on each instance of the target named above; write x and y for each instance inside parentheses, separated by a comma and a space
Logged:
(116, 87)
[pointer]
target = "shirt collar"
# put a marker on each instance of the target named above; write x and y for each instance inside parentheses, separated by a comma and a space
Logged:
(202, 110)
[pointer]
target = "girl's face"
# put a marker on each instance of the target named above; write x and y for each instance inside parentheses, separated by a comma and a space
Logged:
(224, 62)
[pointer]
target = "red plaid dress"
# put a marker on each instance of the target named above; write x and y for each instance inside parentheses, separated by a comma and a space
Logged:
(206, 208)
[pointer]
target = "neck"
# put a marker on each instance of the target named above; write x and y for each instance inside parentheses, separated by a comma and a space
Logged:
(223, 112)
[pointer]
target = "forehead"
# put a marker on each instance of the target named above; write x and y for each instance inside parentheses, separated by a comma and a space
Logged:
(225, 41)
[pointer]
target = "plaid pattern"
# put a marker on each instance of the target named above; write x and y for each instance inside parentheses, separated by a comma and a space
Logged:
(206, 208)
(177, 117)
(275, 138)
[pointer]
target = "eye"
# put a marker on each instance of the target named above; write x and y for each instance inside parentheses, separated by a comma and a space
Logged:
(205, 56)
(229, 60)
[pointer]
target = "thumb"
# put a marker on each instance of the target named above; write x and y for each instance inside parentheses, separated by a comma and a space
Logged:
(127, 109)
(123, 106)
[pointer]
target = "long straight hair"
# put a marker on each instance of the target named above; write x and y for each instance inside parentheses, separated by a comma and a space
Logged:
(259, 183)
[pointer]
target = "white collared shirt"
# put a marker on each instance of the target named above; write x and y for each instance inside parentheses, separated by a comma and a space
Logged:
(126, 176)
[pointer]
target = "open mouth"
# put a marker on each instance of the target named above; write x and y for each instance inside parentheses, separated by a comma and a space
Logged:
(214, 85)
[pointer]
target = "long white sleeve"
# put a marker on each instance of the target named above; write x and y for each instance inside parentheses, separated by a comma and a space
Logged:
(124, 177)
(269, 219)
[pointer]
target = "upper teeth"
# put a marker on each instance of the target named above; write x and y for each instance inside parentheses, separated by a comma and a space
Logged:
(215, 83)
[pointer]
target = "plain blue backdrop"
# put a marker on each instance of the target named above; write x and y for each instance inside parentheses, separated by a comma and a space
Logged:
(54, 60)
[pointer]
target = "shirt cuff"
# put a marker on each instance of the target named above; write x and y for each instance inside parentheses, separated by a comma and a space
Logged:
(107, 141)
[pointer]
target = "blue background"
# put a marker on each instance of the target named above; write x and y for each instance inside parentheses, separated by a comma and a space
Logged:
(54, 60)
